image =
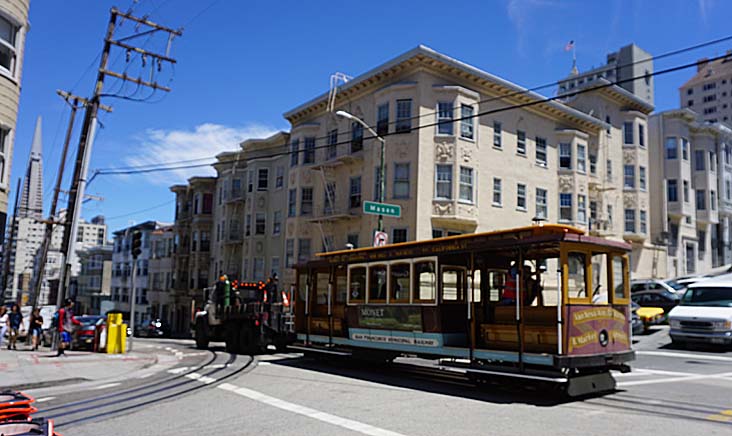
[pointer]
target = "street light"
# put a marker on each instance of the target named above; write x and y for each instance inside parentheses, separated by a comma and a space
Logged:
(382, 182)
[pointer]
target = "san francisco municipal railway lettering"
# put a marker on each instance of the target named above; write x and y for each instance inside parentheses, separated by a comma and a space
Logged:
(402, 340)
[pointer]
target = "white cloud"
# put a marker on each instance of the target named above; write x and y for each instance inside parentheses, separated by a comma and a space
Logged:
(159, 146)
(519, 12)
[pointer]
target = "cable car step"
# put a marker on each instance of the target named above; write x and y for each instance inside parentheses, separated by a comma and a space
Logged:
(503, 372)
(319, 350)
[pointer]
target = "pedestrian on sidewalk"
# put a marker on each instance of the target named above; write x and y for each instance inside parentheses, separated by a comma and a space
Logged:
(3, 323)
(66, 322)
(35, 327)
(15, 322)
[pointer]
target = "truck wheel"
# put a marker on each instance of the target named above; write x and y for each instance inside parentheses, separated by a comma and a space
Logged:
(201, 335)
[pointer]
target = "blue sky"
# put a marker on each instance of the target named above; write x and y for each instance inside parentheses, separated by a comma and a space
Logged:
(242, 64)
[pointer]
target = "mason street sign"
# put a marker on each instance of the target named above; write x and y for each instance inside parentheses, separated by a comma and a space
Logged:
(374, 208)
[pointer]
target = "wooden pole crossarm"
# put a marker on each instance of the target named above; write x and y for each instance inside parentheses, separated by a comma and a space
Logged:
(145, 22)
(133, 80)
(142, 51)
(69, 96)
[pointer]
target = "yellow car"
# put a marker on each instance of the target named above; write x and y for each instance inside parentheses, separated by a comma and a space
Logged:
(650, 316)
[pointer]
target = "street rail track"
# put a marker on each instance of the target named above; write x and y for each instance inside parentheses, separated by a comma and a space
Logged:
(128, 400)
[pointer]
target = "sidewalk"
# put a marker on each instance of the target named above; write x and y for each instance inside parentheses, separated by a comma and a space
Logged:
(25, 369)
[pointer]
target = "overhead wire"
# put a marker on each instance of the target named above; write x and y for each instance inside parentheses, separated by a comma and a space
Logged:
(517, 93)
(607, 84)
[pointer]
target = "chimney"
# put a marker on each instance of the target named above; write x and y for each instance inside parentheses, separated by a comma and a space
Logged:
(701, 63)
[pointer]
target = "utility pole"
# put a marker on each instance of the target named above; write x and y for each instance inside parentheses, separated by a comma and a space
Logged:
(75, 102)
(8, 245)
(86, 140)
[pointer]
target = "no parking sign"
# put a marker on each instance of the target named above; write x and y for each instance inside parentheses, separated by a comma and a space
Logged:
(380, 238)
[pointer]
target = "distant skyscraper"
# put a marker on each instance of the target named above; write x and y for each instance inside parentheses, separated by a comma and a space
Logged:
(31, 200)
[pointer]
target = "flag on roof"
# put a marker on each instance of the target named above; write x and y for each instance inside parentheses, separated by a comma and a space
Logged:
(569, 46)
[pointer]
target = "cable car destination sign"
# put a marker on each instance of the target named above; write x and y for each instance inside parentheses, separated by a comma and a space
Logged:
(374, 208)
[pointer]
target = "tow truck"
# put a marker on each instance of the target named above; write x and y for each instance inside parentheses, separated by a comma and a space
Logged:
(248, 316)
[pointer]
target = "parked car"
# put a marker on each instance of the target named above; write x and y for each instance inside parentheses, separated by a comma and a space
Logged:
(83, 336)
(637, 324)
(155, 328)
(704, 314)
(664, 299)
(650, 285)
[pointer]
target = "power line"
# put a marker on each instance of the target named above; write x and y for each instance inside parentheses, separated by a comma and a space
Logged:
(572, 93)
(491, 99)
(147, 209)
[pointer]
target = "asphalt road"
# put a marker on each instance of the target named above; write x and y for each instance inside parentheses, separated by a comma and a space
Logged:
(669, 392)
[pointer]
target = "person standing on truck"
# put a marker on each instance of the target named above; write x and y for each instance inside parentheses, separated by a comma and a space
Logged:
(66, 322)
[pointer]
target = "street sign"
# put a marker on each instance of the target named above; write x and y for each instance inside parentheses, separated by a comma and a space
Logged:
(380, 238)
(374, 208)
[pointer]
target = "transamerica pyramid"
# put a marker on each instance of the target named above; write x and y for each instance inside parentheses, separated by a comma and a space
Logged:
(31, 200)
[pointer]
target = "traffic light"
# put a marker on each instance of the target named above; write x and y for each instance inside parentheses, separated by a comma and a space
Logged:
(136, 243)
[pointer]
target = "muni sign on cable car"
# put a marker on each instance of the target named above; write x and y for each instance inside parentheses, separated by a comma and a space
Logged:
(374, 208)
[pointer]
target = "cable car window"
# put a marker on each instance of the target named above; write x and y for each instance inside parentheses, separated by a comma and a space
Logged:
(321, 291)
(476, 286)
(400, 279)
(377, 283)
(619, 277)
(576, 264)
(497, 284)
(599, 278)
(453, 285)
(341, 287)
(357, 284)
(302, 282)
(424, 281)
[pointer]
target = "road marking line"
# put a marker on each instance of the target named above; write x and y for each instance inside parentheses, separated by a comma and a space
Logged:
(684, 355)
(348, 424)
(108, 385)
(217, 365)
(263, 363)
(44, 399)
(674, 379)
(178, 370)
(202, 378)
(146, 375)
(643, 372)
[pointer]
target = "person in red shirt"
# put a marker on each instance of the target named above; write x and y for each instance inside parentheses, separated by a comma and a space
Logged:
(66, 322)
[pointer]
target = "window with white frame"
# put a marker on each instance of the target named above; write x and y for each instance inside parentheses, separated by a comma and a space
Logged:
(581, 158)
(8, 45)
(497, 135)
(262, 179)
(541, 151)
(701, 199)
(279, 177)
(401, 180)
(565, 207)
(521, 196)
(629, 176)
(309, 154)
(699, 157)
(331, 151)
(565, 155)
(642, 177)
(643, 222)
(541, 203)
(672, 148)
(303, 250)
(628, 132)
(404, 115)
(593, 163)
(258, 268)
(443, 182)
(466, 184)
(629, 220)
(277, 223)
(354, 197)
(292, 202)
(444, 118)
(672, 190)
(521, 142)
(294, 152)
(356, 137)
(382, 119)
(466, 123)
(306, 201)
(289, 253)
(581, 208)
(399, 235)
(497, 191)
(641, 135)
(684, 148)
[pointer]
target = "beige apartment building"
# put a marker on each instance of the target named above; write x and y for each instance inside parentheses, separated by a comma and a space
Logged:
(564, 162)
(192, 242)
(709, 91)
(160, 275)
(692, 196)
(248, 216)
(13, 28)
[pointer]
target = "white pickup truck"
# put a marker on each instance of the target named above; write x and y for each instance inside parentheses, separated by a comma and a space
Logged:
(704, 314)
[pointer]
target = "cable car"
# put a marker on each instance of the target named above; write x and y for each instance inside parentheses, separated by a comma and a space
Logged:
(544, 303)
